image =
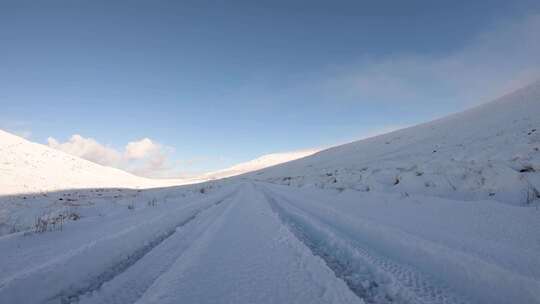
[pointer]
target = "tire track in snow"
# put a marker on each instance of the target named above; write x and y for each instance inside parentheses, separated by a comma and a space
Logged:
(372, 278)
(198, 246)
(130, 285)
(72, 296)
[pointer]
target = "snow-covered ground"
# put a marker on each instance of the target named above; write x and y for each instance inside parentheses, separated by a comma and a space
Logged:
(444, 212)
(262, 243)
(419, 249)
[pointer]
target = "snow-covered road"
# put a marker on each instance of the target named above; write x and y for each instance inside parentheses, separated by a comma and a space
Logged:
(261, 243)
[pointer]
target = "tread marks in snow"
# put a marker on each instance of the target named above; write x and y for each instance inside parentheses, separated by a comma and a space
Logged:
(373, 279)
(72, 296)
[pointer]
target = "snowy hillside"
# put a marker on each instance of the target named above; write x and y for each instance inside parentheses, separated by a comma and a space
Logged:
(27, 167)
(492, 151)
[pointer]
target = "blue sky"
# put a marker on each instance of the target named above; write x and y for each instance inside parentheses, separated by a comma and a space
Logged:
(213, 83)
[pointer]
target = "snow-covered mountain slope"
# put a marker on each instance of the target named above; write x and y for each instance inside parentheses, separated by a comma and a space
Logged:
(27, 167)
(262, 162)
(491, 151)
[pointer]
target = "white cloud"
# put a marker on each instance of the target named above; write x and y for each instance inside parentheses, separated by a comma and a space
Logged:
(142, 157)
(141, 149)
(157, 165)
(89, 149)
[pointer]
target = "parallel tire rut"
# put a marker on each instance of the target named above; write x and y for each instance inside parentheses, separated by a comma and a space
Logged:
(73, 296)
(373, 279)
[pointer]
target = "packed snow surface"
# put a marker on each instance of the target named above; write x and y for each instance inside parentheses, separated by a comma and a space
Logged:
(261, 243)
(444, 212)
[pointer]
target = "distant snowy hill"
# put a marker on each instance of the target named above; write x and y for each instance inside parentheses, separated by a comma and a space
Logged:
(262, 162)
(491, 151)
(27, 167)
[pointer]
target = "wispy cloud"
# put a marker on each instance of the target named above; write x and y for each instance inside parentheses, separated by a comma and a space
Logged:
(494, 63)
(143, 157)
